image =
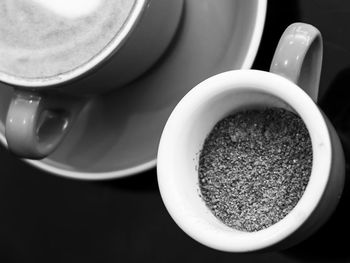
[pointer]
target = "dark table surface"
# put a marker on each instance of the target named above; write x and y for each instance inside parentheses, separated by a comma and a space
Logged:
(45, 218)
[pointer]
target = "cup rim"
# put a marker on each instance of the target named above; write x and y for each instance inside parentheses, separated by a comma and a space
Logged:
(261, 81)
(120, 37)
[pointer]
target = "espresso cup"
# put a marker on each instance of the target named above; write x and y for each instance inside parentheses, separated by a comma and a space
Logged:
(291, 84)
(48, 96)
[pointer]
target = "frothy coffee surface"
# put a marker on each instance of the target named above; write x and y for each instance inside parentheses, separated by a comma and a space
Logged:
(45, 38)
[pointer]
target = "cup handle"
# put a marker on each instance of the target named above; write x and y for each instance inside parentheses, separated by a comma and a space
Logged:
(37, 122)
(298, 57)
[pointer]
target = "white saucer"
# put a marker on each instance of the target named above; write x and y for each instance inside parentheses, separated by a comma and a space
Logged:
(117, 134)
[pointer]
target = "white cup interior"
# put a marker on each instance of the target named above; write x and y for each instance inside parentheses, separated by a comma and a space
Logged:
(183, 138)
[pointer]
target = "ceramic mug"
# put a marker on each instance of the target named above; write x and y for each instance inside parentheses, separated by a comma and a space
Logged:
(292, 84)
(43, 109)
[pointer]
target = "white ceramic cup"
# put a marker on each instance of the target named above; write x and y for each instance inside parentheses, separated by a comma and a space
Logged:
(117, 133)
(292, 84)
(43, 109)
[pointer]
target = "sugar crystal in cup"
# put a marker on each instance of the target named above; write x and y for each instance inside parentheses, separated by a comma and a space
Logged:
(254, 167)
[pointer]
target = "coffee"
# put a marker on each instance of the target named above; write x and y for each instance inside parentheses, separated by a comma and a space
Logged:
(43, 39)
(254, 167)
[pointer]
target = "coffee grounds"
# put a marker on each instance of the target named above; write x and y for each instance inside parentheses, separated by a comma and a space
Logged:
(254, 167)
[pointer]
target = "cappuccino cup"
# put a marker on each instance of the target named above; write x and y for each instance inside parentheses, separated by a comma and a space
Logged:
(291, 84)
(57, 54)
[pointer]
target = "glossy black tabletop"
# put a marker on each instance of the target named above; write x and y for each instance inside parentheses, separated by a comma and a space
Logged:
(46, 218)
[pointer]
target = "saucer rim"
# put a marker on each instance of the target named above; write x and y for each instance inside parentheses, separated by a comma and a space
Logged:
(253, 48)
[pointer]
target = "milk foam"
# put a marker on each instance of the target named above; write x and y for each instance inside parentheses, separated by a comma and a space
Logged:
(45, 38)
(69, 8)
